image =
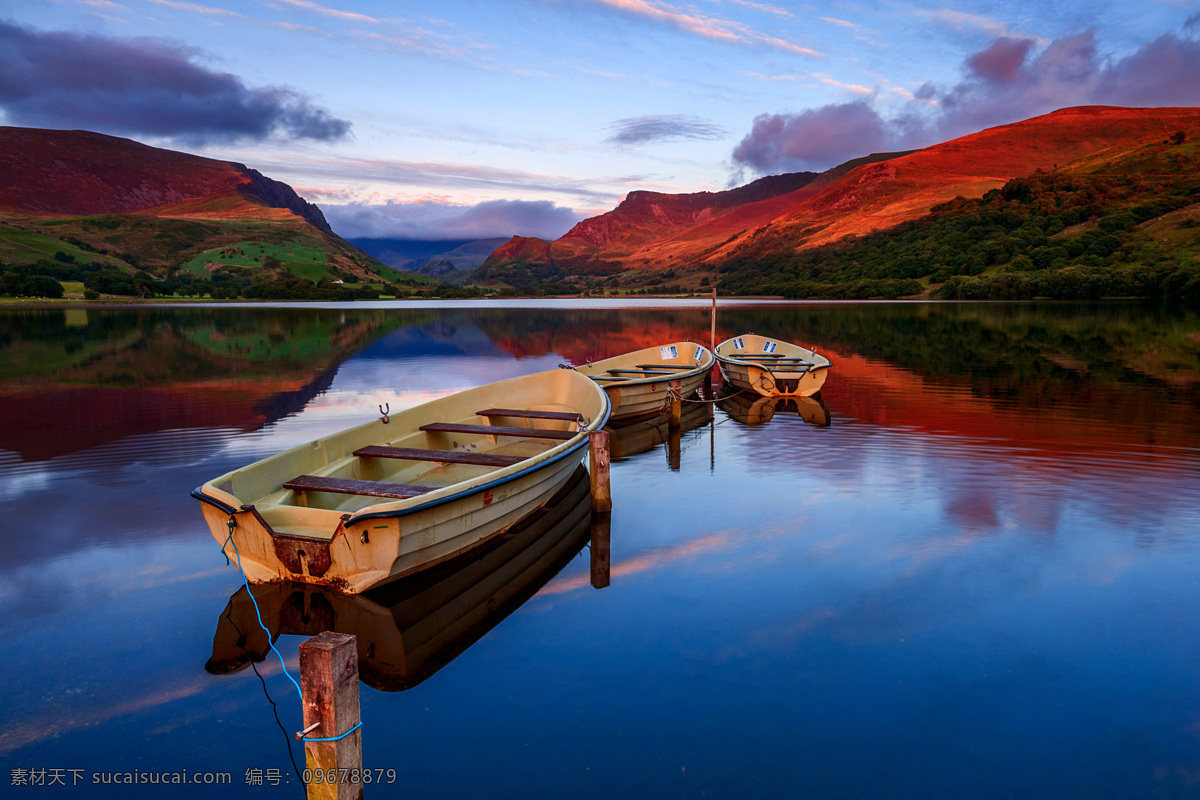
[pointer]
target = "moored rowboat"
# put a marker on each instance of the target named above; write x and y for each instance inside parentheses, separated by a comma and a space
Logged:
(394, 496)
(771, 367)
(636, 383)
(410, 628)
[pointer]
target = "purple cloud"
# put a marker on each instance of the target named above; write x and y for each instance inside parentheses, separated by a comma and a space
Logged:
(999, 61)
(438, 221)
(662, 128)
(1004, 82)
(817, 138)
(144, 87)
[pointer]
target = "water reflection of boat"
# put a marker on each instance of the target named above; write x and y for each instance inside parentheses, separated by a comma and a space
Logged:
(771, 367)
(754, 409)
(636, 383)
(628, 439)
(382, 500)
(410, 628)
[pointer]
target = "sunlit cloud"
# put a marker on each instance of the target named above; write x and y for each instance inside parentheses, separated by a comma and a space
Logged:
(484, 181)
(758, 76)
(764, 8)
(407, 43)
(332, 12)
(208, 11)
(715, 28)
(843, 23)
(853, 87)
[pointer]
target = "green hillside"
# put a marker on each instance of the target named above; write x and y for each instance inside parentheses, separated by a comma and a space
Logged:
(1123, 222)
(137, 254)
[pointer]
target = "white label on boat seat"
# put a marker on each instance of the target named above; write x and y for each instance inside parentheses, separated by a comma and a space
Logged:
(769, 347)
(668, 352)
(699, 354)
(737, 344)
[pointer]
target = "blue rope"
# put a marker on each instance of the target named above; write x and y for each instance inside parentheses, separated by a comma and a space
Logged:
(258, 613)
(334, 738)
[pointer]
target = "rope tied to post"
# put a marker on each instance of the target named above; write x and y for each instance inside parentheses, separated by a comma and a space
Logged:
(232, 523)
(301, 735)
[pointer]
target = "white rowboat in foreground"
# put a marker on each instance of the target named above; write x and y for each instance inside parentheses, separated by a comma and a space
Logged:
(397, 495)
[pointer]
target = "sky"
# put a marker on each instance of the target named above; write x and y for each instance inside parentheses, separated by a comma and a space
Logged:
(461, 120)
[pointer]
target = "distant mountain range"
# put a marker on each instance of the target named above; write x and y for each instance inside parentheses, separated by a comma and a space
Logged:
(1083, 202)
(450, 260)
(689, 239)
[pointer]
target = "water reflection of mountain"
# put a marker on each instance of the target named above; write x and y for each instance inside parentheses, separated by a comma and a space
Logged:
(411, 628)
(749, 408)
(1050, 376)
(75, 380)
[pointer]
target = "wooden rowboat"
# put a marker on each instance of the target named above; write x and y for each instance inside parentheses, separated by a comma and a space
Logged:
(636, 383)
(771, 367)
(398, 495)
(410, 628)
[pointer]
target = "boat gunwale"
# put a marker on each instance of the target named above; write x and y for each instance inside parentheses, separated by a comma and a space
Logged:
(699, 370)
(519, 470)
(766, 367)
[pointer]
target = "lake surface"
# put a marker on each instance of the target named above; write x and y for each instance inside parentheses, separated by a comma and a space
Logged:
(969, 570)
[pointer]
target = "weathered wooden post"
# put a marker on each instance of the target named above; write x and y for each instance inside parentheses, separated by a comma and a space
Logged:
(712, 339)
(601, 492)
(601, 554)
(674, 442)
(329, 682)
(675, 394)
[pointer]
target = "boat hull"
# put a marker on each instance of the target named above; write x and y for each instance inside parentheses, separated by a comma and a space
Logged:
(804, 377)
(409, 629)
(350, 543)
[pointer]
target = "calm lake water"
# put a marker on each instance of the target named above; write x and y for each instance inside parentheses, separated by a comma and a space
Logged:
(968, 570)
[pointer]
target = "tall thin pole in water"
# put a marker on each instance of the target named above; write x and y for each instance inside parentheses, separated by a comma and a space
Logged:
(712, 339)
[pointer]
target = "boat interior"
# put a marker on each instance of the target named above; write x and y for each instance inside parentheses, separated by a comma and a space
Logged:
(771, 354)
(652, 363)
(416, 452)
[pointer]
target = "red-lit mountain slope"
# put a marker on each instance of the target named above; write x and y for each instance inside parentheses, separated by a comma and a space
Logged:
(649, 231)
(78, 173)
(119, 203)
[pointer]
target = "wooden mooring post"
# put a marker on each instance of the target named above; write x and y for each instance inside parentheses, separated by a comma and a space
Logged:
(675, 393)
(601, 492)
(601, 552)
(329, 683)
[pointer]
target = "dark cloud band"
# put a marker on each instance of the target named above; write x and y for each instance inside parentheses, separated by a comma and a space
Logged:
(144, 87)
(437, 221)
(662, 128)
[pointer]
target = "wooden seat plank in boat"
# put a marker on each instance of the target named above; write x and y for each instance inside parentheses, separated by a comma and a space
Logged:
(442, 456)
(570, 416)
(775, 362)
(316, 483)
(641, 371)
(664, 366)
(497, 430)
